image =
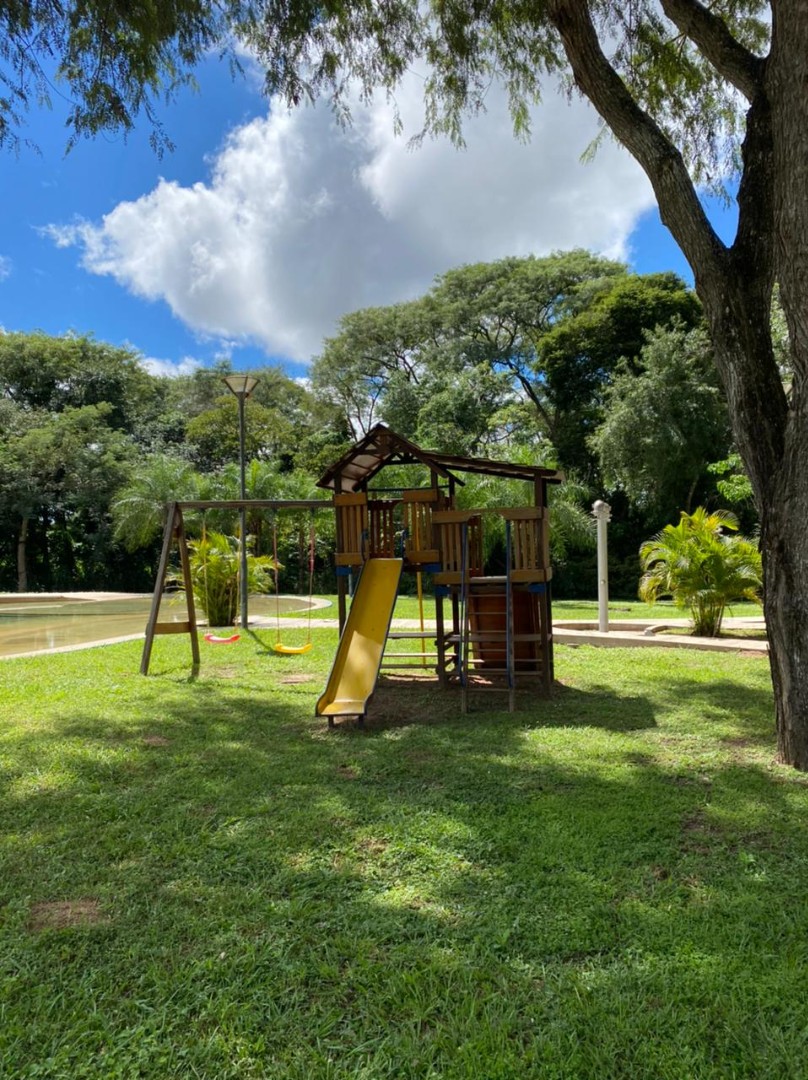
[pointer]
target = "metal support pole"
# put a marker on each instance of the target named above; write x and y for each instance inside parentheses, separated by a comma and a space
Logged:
(243, 511)
(242, 386)
(603, 513)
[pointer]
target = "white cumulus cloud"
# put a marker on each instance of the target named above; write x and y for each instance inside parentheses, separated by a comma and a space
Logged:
(301, 221)
(170, 368)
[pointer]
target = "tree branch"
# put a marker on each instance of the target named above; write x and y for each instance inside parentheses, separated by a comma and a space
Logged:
(712, 37)
(679, 205)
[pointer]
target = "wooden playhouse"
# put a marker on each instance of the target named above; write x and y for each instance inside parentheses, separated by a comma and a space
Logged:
(493, 630)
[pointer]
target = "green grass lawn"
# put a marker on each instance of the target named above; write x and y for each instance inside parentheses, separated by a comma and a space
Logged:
(407, 608)
(198, 880)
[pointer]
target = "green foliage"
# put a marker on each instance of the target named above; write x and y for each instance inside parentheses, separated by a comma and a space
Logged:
(511, 352)
(732, 483)
(581, 355)
(40, 372)
(664, 419)
(59, 471)
(139, 508)
(700, 568)
(280, 416)
(112, 59)
(215, 570)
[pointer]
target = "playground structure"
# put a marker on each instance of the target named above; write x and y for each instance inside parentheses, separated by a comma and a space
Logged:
(493, 632)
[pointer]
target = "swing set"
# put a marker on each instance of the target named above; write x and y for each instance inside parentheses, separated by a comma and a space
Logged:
(174, 534)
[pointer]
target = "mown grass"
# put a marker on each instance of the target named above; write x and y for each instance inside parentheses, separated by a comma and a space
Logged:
(407, 608)
(609, 884)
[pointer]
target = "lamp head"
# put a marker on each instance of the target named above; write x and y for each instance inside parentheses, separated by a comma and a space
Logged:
(240, 385)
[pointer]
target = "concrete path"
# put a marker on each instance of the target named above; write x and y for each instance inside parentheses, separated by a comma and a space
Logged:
(631, 634)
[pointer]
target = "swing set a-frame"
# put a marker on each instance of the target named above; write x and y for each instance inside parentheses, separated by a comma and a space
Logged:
(174, 534)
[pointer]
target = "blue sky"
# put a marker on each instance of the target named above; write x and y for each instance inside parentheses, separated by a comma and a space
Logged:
(262, 227)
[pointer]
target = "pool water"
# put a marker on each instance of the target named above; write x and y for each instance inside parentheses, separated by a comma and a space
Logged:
(35, 626)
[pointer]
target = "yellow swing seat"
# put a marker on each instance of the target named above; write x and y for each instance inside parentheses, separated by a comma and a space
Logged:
(279, 647)
(291, 650)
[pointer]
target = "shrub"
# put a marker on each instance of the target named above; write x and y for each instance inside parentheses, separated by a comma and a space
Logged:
(702, 569)
(215, 568)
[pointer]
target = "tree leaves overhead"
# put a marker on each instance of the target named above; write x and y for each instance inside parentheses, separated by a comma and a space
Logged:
(109, 59)
(113, 60)
(460, 47)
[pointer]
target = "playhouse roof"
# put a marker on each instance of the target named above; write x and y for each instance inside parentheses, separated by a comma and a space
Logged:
(382, 446)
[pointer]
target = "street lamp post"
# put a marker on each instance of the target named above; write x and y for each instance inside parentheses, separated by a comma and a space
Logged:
(602, 512)
(242, 386)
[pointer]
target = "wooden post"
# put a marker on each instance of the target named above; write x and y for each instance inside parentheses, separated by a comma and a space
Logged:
(546, 600)
(342, 608)
(174, 528)
(185, 563)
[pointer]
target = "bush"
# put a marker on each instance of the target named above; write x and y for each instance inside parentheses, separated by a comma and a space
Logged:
(700, 568)
(215, 568)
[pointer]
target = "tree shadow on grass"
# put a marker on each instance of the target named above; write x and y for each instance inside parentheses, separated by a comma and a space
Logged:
(401, 702)
(450, 893)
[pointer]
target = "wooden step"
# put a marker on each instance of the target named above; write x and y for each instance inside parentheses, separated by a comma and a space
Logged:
(416, 666)
(411, 655)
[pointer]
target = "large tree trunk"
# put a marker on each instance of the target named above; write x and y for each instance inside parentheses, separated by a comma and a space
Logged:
(784, 543)
(776, 458)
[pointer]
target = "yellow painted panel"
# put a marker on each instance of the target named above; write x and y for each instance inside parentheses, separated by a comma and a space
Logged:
(359, 655)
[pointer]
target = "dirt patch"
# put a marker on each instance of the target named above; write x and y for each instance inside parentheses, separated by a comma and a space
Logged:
(419, 757)
(399, 703)
(225, 672)
(156, 740)
(758, 654)
(694, 822)
(698, 834)
(62, 914)
(372, 845)
(293, 680)
(347, 772)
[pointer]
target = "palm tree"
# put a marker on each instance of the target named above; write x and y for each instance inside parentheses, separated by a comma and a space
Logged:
(139, 508)
(215, 565)
(701, 568)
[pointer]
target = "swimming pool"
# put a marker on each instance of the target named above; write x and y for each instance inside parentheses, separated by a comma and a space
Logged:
(38, 624)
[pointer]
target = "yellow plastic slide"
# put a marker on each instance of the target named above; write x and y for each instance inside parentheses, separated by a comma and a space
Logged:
(359, 655)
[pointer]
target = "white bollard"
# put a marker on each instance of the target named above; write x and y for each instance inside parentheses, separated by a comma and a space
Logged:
(603, 513)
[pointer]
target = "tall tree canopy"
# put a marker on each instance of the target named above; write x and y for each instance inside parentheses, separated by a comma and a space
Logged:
(518, 350)
(663, 424)
(85, 426)
(114, 58)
